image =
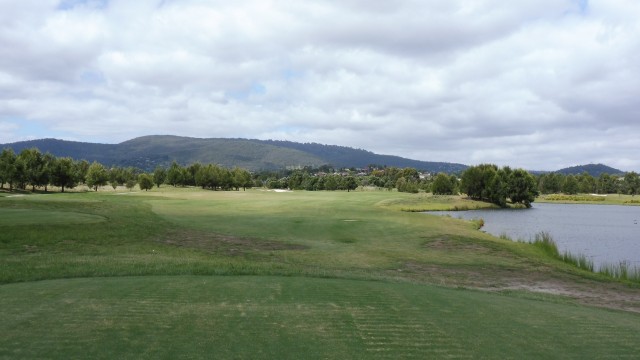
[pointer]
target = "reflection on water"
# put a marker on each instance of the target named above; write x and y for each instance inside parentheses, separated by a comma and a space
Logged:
(604, 233)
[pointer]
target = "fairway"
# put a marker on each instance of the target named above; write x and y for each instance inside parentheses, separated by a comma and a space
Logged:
(22, 217)
(187, 273)
(292, 318)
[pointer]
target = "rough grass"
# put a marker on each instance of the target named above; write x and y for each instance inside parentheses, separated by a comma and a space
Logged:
(609, 199)
(428, 202)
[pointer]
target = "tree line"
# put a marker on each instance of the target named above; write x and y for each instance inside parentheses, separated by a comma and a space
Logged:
(553, 183)
(485, 182)
(31, 168)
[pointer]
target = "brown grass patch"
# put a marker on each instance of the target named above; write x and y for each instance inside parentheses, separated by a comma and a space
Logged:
(224, 244)
(540, 280)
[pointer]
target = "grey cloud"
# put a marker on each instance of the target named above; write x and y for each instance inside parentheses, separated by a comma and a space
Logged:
(536, 84)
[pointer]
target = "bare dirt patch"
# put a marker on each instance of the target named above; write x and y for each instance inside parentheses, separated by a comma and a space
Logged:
(224, 244)
(613, 295)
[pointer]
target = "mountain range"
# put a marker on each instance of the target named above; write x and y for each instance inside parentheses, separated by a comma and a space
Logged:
(147, 152)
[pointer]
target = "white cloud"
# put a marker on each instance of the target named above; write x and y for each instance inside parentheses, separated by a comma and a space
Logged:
(536, 84)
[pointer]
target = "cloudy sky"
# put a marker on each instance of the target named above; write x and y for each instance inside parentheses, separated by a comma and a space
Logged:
(539, 84)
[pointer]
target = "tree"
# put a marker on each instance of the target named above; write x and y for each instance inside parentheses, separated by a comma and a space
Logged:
(488, 183)
(64, 173)
(116, 177)
(130, 183)
(145, 181)
(481, 182)
(159, 176)
(295, 180)
(49, 161)
(570, 185)
(97, 176)
(586, 183)
(7, 167)
(632, 183)
(550, 183)
(522, 187)
(81, 169)
(242, 179)
(349, 183)
(606, 184)
(443, 185)
(205, 177)
(35, 172)
(174, 174)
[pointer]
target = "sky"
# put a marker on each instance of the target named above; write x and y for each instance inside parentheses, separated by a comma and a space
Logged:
(536, 84)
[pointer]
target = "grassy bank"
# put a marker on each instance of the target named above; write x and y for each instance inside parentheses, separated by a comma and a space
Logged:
(609, 199)
(137, 274)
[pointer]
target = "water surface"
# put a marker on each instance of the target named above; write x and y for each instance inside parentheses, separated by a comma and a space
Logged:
(604, 233)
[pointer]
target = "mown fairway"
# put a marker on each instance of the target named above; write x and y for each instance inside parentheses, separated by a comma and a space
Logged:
(191, 273)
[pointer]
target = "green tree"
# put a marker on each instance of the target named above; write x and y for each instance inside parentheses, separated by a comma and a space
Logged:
(570, 185)
(174, 174)
(295, 180)
(606, 184)
(159, 176)
(116, 177)
(34, 168)
(64, 173)
(97, 175)
(486, 182)
(81, 169)
(522, 187)
(49, 161)
(443, 185)
(145, 181)
(205, 177)
(7, 168)
(242, 179)
(550, 183)
(349, 183)
(586, 183)
(632, 183)
(481, 182)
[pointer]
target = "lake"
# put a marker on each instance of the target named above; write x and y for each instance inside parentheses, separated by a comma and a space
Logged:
(604, 233)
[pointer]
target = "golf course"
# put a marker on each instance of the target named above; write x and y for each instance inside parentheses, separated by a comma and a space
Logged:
(191, 273)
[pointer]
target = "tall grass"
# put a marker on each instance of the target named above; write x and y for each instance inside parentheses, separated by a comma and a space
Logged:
(622, 270)
(544, 241)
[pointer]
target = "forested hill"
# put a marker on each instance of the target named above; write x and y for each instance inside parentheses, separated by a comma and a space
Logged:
(594, 170)
(147, 152)
(342, 156)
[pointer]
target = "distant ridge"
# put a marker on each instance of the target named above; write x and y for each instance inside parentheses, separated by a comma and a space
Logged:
(147, 152)
(594, 170)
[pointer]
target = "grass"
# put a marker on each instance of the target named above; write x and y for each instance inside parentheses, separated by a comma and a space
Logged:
(292, 317)
(545, 242)
(622, 270)
(427, 202)
(306, 275)
(609, 199)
